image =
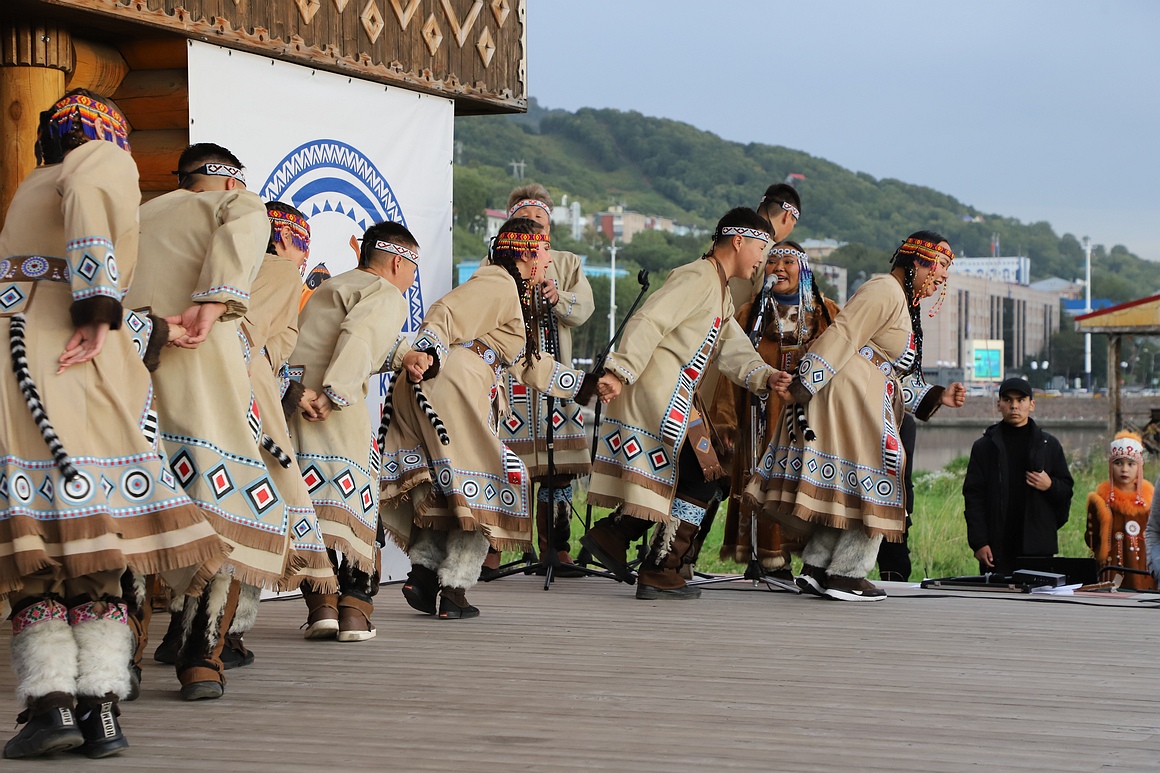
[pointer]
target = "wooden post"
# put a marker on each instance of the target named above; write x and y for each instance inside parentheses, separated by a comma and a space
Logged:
(99, 68)
(1115, 410)
(34, 58)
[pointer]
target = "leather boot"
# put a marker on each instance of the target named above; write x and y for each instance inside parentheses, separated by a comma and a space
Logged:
(134, 592)
(561, 529)
(660, 576)
(170, 645)
(608, 542)
(322, 615)
(453, 605)
(354, 617)
(199, 663)
(487, 572)
(49, 726)
(422, 589)
(97, 717)
(689, 564)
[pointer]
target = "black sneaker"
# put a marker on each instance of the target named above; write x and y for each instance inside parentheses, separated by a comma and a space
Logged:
(102, 731)
(48, 732)
(812, 580)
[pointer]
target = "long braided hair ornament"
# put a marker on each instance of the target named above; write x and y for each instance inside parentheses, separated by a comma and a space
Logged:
(519, 239)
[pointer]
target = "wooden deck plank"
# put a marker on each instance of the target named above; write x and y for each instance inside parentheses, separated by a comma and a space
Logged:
(586, 677)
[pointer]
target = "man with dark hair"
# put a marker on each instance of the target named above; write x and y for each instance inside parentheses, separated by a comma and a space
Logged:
(349, 329)
(1017, 490)
(781, 206)
(200, 250)
(655, 459)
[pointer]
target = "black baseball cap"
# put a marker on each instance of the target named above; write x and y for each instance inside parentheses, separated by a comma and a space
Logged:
(1017, 385)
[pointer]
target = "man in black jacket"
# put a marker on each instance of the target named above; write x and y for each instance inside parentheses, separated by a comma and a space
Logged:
(1018, 489)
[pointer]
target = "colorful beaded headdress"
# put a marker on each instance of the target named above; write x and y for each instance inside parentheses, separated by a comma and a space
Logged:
(752, 233)
(1127, 445)
(399, 250)
(927, 254)
(805, 274)
(299, 227)
(529, 203)
(93, 118)
(214, 169)
(521, 241)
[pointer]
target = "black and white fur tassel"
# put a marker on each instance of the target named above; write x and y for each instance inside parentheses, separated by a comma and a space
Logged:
(432, 417)
(388, 410)
(32, 397)
(274, 451)
(801, 418)
(795, 416)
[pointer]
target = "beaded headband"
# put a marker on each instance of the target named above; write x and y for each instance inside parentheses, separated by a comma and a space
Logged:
(789, 252)
(1126, 448)
(216, 170)
(520, 241)
(752, 233)
(87, 113)
(299, 227)
(790, 208)
(529, 203)
(927, 252)
(402, 252)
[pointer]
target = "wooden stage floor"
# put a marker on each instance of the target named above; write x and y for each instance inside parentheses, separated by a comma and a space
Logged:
(585, 677)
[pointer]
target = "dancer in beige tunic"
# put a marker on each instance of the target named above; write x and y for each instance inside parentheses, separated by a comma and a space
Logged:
(349, 329)
(524, 431)
(447, 496)
(201, 247)
(269, 331)
(655, 460)
(79, 507)
(833, 473)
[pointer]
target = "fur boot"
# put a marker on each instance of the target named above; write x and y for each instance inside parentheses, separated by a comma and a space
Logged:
(134, 592)
(205, 622)
(422, 589)
(429, 548)
(660, 576)
(170, 645)
(459, 572)
(608, 542)
(104, 644)
(235, 654)
(44, 657)
(853, 558)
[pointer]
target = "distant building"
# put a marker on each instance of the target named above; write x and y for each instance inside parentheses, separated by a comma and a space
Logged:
(1016, 270)
(1073, 307)
(836, 276)
(1063, 287)
(820, 249)
(977, 308)
(465, 268)
(495, 219)
(623, 225)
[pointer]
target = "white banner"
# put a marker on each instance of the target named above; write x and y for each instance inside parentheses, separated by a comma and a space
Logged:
(345, 152)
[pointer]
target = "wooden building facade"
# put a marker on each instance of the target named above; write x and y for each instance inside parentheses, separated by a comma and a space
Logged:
(471, 51)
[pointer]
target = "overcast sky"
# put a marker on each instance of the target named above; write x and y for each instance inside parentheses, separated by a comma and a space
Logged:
(1036, 109)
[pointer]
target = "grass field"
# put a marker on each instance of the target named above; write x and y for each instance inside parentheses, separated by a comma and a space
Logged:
(938, 540)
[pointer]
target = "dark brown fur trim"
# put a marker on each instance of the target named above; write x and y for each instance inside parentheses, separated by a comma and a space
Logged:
(294, 392)
(157, 340)
(99, 308)
(931, 402)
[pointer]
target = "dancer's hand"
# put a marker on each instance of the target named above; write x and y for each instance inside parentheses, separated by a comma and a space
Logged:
(197, 320)
(551, 292)
(306, 404)
(416, 364)
(85, 344)
(985, 556)
(322, 408)
(954, 396)
(779, 380)
(609, 388)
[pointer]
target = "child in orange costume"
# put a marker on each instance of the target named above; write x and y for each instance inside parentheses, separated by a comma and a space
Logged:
(1118, 512)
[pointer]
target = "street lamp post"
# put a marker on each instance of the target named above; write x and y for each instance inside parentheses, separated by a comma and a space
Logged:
(612, 291)
(1087, 309)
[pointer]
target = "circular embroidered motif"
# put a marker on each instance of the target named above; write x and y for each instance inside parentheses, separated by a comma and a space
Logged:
(507, 498)
(79, 488)
(137, 485)
(445, 478)
(5, 267)
(1132, 528)
(111, 267)
(566, 380)
(470, 489)
(21, 487)
(34, 266)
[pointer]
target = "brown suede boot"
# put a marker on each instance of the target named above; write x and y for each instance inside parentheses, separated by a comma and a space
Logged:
(608, 542)
(354, 618)
(322, 615)
(660, 576)
(453, 605)
(199, 663)
(490, 569)
(562, 527)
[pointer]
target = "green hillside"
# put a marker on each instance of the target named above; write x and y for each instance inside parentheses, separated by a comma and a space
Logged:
(662, 167)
